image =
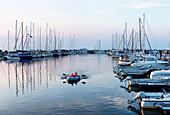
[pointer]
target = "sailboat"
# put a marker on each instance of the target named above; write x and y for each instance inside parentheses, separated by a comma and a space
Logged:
(11, 56)
(99, 51)
(24, 55)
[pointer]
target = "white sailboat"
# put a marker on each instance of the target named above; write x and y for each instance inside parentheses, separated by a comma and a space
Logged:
(11, 56)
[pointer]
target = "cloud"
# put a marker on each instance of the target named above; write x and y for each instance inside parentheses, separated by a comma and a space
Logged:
(142, 5)
(149, 5)
(103, 12)
(104, 0)
(135, 4)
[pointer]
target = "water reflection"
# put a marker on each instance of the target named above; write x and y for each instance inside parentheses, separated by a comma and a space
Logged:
(28, 73)
(138, 89)
(73, 83)
(36, 87)
(114, 61)
(139, 111)
(9, 75)
(34, 76)
(46, 73)
(22, 79)
(16, 73)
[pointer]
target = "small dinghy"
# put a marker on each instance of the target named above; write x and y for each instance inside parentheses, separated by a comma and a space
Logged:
(69, 79)
(73, 80)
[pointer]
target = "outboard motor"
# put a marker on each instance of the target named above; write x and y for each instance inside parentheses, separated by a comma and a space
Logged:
(130, 101)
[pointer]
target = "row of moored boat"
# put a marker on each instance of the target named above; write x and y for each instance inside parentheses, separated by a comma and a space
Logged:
(149, 77)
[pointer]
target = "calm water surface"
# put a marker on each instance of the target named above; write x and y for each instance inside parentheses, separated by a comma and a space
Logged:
(36, 87)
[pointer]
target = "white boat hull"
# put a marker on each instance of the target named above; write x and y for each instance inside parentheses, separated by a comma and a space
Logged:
(150, 102)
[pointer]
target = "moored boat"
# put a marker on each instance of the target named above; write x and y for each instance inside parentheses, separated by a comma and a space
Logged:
(148, 100)
(12, 57)
(25, 56)
(164, 106)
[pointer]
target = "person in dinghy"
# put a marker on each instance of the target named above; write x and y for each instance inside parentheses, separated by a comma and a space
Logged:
(75, 74)
(72, 75)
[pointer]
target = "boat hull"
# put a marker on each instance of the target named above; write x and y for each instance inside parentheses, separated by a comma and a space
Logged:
(25, 57)
(73, 79)
(150, 103)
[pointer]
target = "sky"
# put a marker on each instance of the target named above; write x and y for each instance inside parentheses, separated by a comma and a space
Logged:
(89, 20)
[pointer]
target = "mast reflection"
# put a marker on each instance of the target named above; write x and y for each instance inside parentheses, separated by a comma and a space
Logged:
(9, 75)
(22, 79)
(46, 73)
(33, 76)
(16, 72)
(28, 76)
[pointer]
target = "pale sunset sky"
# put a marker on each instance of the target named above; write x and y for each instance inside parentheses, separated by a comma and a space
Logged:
(89, 20)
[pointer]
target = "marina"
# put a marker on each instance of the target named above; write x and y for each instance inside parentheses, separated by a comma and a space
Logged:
(84, 57)
(46, 83)
(54, 79)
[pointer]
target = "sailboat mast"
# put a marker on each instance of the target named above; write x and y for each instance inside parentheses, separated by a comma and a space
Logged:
(30, 34)
(140, 34)
(27, 41)
(99, 44)
(144, 34)
(58, 40)
(74, 41)
(123, 42)
(116, 41)
(112, 41)
(8, 41)
(61, 43)
(54, 39)
(132, 40)
(49, 37)
(22, 38)
(40, 39)
(70, 42)
(136, 40)
(46, 36)
(63, 40)
(33, 36)
(125, 36)
(16, 38)
(37, 37)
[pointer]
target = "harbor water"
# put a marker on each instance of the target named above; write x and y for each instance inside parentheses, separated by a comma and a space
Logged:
(38, 87)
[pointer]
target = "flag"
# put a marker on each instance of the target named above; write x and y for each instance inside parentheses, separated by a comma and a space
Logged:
(29, 35)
